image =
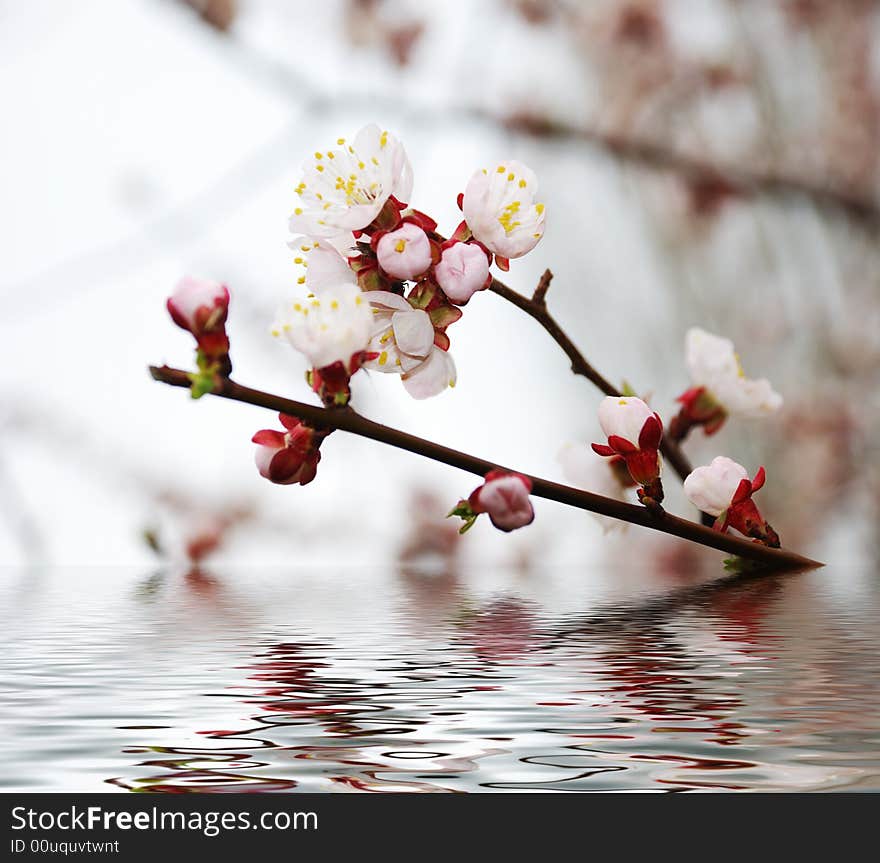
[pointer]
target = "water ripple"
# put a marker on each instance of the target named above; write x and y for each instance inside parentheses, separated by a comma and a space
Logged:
(246, 681)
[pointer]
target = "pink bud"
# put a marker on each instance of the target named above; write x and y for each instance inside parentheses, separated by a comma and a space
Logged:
(404, 253)
(462, 271)
(505, 497)
(201, 306)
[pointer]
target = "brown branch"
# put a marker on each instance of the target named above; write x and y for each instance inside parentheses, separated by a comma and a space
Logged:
(746, 181)
(345, 419)
(537, 309)
(539, 298)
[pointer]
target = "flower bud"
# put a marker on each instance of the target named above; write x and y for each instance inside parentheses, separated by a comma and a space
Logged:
(505, 497)
(634, 432)
(723, 489)
(288, 457)
(404, 253)
(463, 270)
(201, 307)
(711, 488)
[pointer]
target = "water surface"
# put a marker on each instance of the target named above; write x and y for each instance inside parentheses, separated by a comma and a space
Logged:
(359, 681)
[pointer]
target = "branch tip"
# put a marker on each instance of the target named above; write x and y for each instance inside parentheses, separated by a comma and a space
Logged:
(538, 297)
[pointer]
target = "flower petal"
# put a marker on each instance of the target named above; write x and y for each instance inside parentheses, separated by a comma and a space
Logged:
(413, 332)
(432, 376)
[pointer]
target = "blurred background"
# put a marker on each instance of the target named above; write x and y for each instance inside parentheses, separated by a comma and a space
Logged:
(706, 163)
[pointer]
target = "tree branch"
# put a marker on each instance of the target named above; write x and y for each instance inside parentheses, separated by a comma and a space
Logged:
(346, 419)
(855, 201)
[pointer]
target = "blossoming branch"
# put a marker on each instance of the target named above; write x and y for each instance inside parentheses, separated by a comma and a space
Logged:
(378, 289)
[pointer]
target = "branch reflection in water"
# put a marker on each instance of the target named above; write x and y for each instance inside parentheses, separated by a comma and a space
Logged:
(423, 683)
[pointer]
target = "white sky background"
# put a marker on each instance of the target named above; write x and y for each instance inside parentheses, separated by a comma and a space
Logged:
(139, 145)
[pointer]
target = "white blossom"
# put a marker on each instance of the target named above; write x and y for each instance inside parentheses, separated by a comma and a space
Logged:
(344, 188)
(500, 210)
(329, 328)
(714, 364)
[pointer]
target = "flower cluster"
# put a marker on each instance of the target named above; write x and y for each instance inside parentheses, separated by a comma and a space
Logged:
(358, 239)
(635, 433)
(379, 287)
